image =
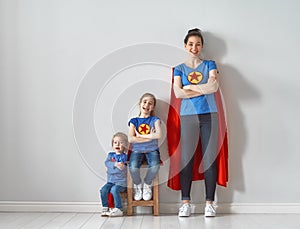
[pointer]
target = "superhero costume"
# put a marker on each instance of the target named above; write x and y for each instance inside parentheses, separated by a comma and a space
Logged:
(173, 137)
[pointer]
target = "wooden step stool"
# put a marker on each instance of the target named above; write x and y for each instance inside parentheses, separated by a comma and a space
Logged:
(146, 203)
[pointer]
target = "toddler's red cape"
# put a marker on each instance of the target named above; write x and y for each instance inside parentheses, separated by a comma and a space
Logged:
(173, 137)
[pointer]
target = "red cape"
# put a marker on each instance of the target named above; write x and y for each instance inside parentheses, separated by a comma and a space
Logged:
(173, 137)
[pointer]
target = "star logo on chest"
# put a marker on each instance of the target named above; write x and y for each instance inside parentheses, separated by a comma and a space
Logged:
(144, 129)
(195, 77)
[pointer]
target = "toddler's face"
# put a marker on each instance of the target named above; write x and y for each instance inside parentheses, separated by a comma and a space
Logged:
(119, 144)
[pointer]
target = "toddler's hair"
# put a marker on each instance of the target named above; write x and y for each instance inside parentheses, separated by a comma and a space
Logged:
(121, 135)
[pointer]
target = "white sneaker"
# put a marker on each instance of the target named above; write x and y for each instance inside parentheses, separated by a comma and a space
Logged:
(105, 211)
(115, 212)
(210, 210)
(147, 192)
(185, 210)
(137, 189)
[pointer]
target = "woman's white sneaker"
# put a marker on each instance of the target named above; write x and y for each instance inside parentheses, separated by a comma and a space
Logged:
(185, 210)
(209, 210)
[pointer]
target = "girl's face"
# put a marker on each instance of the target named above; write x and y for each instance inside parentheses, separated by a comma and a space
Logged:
(147, 105)
(194, 46)
(118, 145)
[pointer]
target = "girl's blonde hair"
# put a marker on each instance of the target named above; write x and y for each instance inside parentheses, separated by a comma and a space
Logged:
(154, 100)
(122, 136)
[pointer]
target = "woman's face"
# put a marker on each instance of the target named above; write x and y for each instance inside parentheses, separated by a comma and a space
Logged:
(194, 46)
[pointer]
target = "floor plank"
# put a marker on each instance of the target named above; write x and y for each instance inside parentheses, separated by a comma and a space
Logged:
(24, 220)
(6, 217)
(96, 221)
(77, 221)
(132, 222)
(59, 221)
(151, 222)
(41, 220)
(113, 222)
(20, 220)
(171, 221)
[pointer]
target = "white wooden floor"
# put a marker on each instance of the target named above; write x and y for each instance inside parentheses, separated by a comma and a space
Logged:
(94, 220)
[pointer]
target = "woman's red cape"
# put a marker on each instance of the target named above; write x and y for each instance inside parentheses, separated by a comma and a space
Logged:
(173, 137)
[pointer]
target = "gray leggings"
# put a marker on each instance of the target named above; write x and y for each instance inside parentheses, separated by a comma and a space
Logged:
(195, 128)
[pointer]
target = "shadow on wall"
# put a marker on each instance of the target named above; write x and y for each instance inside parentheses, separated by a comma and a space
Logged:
(236, 90)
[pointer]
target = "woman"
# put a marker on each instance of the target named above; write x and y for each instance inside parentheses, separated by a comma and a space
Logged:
(195, 82)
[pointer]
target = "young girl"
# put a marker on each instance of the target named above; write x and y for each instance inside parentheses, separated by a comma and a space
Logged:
(144, 132)
(116, 175)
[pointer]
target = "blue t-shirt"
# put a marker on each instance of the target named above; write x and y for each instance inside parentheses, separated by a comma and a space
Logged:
(144, 126)
(115, 175)
(201, 104)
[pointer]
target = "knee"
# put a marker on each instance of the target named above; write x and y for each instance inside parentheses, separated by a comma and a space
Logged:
(113, 190)
(134, 170)
(153, 159)
(211, 170)
(153, 164)
(103, 191)
(134, 166)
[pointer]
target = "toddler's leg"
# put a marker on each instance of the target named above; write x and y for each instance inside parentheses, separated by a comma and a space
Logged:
(115, 191)
(104, 194)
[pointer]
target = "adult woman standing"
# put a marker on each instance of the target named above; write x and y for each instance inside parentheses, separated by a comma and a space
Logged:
(195, 82)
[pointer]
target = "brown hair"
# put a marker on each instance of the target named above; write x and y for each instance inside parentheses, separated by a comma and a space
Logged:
(151, 96)
(194, 32)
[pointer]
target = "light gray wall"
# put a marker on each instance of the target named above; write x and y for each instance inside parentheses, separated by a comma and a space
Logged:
(52, 57)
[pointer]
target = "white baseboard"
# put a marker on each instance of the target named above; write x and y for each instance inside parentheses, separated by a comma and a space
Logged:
(11, 206)
(165, 208)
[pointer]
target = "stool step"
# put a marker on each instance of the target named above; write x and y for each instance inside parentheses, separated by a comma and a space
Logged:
(147, 203)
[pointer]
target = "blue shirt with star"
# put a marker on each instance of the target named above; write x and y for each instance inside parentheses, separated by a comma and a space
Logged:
(144, 126)
(201, 104)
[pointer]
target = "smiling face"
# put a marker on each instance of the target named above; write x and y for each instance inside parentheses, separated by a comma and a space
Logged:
(119, 144)
(147, 104)
(194, 46)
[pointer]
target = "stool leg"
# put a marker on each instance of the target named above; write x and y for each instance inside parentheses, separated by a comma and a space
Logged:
(155, 196)
(129, 194)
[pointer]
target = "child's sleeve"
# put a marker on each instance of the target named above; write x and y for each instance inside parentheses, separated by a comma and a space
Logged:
(154, 119)
(124, 158)
(133, 121)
